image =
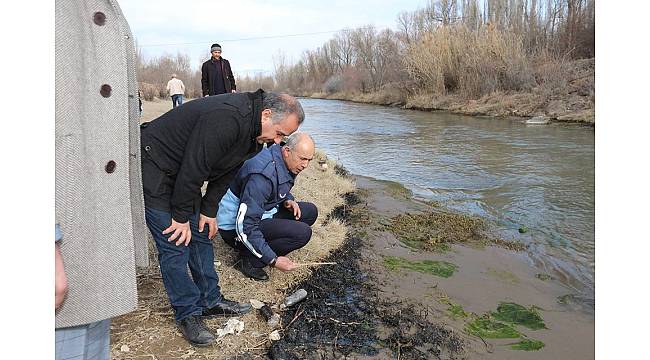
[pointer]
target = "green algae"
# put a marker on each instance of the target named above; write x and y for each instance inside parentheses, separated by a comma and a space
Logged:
(527, 345)
(516, 314)
(503, 275)
(440, 248)
(439, 268)
(544, 277)
(501, 325)
(455, 311)
(488, 328)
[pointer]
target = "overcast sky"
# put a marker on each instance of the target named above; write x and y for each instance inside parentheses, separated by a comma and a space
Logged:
(190, 27)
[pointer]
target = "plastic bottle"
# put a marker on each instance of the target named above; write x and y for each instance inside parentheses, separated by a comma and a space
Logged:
(295, 298)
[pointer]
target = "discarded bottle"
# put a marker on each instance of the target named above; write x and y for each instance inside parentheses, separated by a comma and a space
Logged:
(295, 298)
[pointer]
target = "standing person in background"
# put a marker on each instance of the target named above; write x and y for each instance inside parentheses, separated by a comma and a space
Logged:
(98, 181)
(216, 74)
(176, 89)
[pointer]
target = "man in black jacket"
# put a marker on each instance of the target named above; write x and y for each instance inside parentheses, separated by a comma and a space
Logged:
(216, 74)
(207, 139)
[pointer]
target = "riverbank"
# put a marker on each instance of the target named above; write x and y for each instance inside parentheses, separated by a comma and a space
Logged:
(391, 298)
(387, 297)
(570, 100)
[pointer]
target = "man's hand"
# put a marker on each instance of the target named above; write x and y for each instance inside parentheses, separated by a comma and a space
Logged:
(285, 264)
(234, 91)
(60, 279)
(293, 206)
(181, 231)
(212, 225)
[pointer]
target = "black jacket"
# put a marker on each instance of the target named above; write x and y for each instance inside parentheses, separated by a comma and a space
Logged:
(207, 75)
(206, 139)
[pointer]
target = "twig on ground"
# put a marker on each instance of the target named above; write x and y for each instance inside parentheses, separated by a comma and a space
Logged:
(294, 318)
(315, 263)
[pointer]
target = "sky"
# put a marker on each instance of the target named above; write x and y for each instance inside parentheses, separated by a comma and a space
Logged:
(190, 27)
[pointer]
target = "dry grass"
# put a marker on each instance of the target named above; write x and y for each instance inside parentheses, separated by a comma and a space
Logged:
(456, 60)
(150, 331)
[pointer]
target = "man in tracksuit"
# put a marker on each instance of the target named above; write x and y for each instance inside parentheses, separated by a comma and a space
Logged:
(206, 139)
(259, 216)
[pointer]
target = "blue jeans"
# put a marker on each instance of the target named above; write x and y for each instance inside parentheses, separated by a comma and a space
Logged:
(89, 341)
(187, 295)
(178, 98)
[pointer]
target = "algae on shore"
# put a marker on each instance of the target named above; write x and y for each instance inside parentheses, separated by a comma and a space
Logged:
(434, 230)
(516, 314)
(439, 268)
(429, 229)
(455, 311)
(486, 327)
(527, 345)
(501, 325)
(544, 277)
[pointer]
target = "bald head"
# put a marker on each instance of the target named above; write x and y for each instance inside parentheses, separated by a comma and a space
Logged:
(298, 152)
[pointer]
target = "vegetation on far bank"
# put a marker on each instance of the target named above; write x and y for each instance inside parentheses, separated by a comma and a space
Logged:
(492, 57)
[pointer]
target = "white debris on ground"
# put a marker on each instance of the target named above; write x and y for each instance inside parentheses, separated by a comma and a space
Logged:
(233, 325)
(274, 335)
(256, 304)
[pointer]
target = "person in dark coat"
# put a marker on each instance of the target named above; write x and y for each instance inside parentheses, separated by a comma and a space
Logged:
(216, 74)
(206, 139)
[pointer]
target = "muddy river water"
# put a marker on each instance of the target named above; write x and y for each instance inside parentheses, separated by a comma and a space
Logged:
(517, 175)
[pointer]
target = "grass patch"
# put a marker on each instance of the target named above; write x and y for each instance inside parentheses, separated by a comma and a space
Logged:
(486, 327)
(508, 244)
(544, 277)
(519, 315)
(430, 229)
(438, 268)
(527, 345)
(434, 230)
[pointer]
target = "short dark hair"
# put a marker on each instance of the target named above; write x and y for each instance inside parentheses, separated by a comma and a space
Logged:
(281, 105)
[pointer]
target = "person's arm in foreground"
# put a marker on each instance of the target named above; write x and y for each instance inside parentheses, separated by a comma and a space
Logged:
(60, 279)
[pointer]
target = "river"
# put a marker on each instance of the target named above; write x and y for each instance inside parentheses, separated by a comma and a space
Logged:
(540, 177)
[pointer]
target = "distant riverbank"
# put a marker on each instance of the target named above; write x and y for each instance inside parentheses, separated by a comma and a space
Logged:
(572, 102)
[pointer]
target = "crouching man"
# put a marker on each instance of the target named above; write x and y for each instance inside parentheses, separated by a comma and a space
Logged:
(259, 217)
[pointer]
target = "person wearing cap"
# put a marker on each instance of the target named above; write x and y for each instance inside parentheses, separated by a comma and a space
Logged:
(176, 89)
(259, 216)
(216, 74)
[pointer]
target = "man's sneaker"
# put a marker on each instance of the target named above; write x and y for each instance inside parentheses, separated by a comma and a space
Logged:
(195, 332)
(244, 265)
(226, 307)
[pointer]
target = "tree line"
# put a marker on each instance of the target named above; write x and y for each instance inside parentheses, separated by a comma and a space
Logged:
(465, 47)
